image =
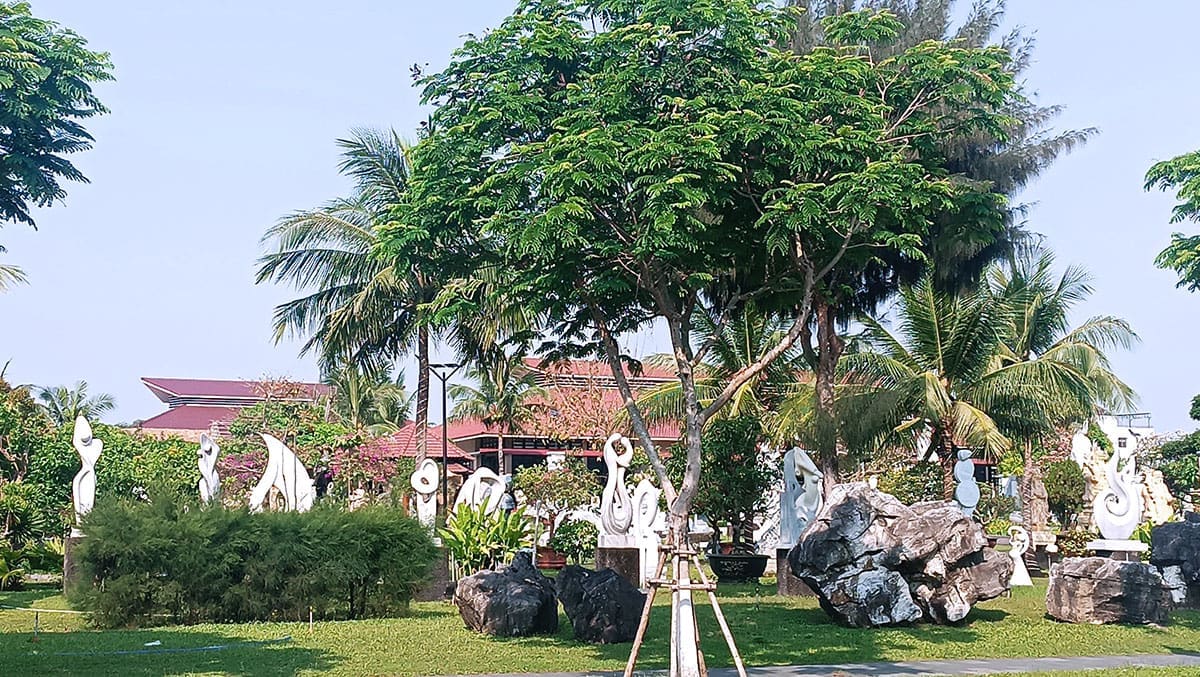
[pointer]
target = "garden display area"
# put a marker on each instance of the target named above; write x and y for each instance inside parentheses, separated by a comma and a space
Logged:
(770, 630)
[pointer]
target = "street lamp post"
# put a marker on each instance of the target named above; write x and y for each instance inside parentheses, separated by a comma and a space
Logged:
(443, 372)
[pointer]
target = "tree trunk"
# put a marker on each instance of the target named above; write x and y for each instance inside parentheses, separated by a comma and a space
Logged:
(946, 457)
(422, 393)
(824, 363)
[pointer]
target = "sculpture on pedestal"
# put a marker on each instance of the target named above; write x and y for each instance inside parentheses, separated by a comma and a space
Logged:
(801, 499)
(1118, 509)
(286, 473)
(210, 483)
(1019, 540)
(84, 486)
(483, 487)
(616, 512)
(424, 482)
(646, 524)
(966, 493)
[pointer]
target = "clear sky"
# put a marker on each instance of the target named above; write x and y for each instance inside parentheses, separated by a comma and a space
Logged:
(224, 116)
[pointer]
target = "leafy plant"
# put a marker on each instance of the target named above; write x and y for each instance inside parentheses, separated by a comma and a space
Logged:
(997, 527)
(1098, 437)
(11, 569)
(478, 540)
(913, 484)
(556, 490)
(1073, 543)
(994, 507)
(1065, 486)
(575, 540)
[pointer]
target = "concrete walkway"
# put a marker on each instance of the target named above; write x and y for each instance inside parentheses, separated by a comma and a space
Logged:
(982, 666)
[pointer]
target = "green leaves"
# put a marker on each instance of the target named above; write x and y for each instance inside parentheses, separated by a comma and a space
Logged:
(478, 540)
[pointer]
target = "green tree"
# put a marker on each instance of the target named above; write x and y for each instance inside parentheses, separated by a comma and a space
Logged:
(10, 275)
(368, 399)
(63, 405)
(1181, 174)
(507, 396)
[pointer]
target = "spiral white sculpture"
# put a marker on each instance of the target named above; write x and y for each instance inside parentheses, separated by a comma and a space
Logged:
(1019, 540)
(646, 523)
(424, 482)
(966, 494)
(616, 511)
(801, 499)
(286, 473)
(483, 487)
(1118, 509)
(83, 487)
(210, 482)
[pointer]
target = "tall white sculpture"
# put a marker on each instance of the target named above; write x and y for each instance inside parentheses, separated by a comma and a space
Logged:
(286, 473)
(210, 483)
(483, 487)
(1118, 509)
(84, 486)
(1019, 538)
(647, 522)
(616, 511)
(424, 482)
(801, 499)
(966, 494)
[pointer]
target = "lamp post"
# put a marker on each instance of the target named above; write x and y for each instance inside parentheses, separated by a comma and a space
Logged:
(443, 372)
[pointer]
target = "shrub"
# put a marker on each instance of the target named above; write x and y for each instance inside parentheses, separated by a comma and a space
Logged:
(174, 559)
(997, 527)
(478, 540)
(1065, 486)
(1073, 543)
(914, 484)
(575, 539)
(994, 507)
(556, 490)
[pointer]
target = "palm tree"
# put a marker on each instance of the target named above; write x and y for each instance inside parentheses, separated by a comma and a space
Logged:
(367, 398)
(10, 276)
(508, 397)
(63, 405)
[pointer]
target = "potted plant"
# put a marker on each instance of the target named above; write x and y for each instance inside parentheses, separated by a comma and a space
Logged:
(732, 493)
(552, 491)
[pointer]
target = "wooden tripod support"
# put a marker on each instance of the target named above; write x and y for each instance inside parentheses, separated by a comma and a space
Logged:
(681, 559)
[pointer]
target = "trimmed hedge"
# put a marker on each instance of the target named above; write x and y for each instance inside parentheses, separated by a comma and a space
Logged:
(172, 560)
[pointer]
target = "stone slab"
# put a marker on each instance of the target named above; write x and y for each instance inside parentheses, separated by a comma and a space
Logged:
(438, 586)
(625, 561)
(787, 582)
(72, 575)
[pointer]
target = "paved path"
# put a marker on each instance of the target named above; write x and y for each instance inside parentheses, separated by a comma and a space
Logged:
(982, 666)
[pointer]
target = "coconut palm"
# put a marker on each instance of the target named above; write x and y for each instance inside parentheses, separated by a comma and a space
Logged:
(10, 276)
(507, 396)
(367, 398)
(63, 405)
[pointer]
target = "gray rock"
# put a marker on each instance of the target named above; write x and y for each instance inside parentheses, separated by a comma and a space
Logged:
(514, 601)
(1177, 545)
(603, 607)
(874, 561)
(1100, 590)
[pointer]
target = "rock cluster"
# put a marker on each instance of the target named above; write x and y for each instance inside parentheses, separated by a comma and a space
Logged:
(874, 561)
(514, 601)
(1101, 590)
(1175, 548)
(603, 607)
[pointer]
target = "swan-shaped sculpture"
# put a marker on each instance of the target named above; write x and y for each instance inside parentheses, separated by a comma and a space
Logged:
(801, 499)
(966, 493)
(210, 482)
(424, 482)
(484, 487)
(84, 485)
(286, 473)
(1019, 540)
(646, 523)
(616, 511)
(1118, 509)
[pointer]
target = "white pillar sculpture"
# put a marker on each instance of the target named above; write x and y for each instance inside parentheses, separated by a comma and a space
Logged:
(801, 499)
(425, 484)
(966, 494)
(483, 487)
(616, 511)
(647, 522)
(1019, 540)
(1117, 510)
(210, 483)
(284, 472)
(84, 486)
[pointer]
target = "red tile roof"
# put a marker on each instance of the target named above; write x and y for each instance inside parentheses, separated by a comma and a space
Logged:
(403, 442)
(167, 388)
(190, 417)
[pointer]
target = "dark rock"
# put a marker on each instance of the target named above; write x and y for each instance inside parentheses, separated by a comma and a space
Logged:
(871, 560)
(602, 605)
(625, 561)
(514, 601)
(1177, 544)
(1101, 590)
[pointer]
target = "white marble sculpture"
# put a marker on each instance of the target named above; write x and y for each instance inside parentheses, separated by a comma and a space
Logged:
(84, 486)
(801, 499)
(483, 487)
(647, 523)
(616, 510)
(1019, 540)
(210, 482)
(286, 473)
(966, 492)
(424, 482)
(1118, 509)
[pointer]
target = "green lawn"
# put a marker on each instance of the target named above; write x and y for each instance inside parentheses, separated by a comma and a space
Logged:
(769, 630)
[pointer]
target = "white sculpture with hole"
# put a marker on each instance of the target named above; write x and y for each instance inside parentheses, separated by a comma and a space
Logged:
(286, 473)
(424, 482)
(483, 488)
(83, 488)
(801, 499)
(210, 482)
(1019, 540)
(1118, 509)
(648, 523)
(966, 493)
(616, 508)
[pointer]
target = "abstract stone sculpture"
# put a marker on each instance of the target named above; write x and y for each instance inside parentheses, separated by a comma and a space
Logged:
(83, 487)
(514, 601)
(424, 482)
(646, 524)
(801, 499)
(286, 473)
(210, 482)
(616, 509)
(966, 493)
(603, 607)
(871, 560)
(1118, 509)
(1101, 590)
(483, 488)
(1018, 539)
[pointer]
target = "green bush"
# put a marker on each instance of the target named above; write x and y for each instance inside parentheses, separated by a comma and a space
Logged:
(1065, 486)
(994, 508)
(478, 540)
(914, 484)
(173, 560)
(575, 539)
(997, 527)
(1073, 543)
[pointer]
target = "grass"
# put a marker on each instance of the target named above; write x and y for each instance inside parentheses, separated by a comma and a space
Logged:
(769, 630)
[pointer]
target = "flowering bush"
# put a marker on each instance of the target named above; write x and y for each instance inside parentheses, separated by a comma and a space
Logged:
(557, 490)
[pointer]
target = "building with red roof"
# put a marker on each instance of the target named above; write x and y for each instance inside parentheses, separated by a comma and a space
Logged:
(196, 406)
(403, 443)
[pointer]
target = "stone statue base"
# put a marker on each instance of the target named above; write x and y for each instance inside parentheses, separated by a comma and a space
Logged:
(437, 586)
(72, 575)
(627, 562)
(1120, 550)
(788, 584)
(616, 541)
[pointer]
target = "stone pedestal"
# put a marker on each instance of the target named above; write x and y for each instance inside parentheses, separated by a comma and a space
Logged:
(72, 576)
(788, 584)
(1120, 550)
(627, 562)
(438, 586)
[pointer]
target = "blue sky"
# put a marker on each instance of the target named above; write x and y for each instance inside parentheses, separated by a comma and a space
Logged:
(224, 116)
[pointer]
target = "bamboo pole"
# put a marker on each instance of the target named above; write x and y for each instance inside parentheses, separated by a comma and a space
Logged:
(712, 597)
(645, 621)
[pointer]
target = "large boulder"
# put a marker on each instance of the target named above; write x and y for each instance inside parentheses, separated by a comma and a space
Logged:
(1175, 548)
(1101, 590)
(603, 607)
(514, 601)
(874, 561)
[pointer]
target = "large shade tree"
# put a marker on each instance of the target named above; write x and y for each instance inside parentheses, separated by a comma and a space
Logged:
(1181, 174)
